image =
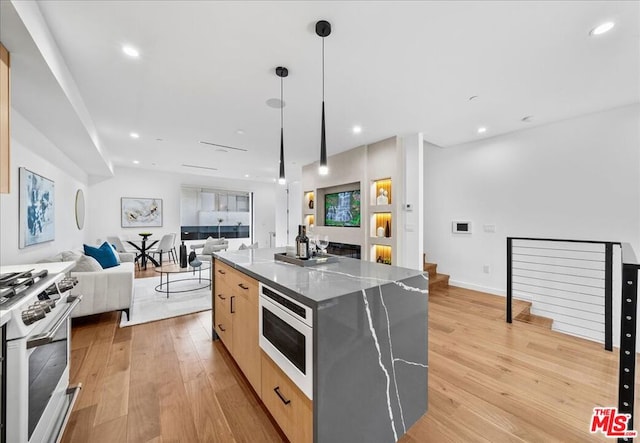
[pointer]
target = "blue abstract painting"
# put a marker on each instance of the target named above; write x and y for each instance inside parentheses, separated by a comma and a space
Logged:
(37, 209)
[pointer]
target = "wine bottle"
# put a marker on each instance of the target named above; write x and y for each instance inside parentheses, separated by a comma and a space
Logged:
(387, 230)
(302, 242)
(298, 238)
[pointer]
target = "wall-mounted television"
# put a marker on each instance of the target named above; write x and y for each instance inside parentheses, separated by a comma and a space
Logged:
(342, 209)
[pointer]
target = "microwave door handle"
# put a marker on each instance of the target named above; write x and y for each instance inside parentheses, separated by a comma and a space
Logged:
(47, 337)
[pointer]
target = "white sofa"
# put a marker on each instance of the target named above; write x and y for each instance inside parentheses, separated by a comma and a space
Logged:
(106, 290)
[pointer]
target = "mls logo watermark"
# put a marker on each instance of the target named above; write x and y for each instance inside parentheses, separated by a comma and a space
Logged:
(610, 423)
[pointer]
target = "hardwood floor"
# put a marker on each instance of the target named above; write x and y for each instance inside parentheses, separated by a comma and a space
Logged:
(488, 381)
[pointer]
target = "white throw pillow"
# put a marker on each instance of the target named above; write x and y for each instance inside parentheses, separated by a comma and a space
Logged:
(251, 246)
(210, 243)
(86, 264)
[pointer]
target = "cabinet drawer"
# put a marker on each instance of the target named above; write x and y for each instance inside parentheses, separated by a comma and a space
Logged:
(224, 328)
(223, 272)
(245, 286)
(290, 408)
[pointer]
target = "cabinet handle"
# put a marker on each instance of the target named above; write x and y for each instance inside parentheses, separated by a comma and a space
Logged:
(221, 271)
(221, 328)
(233, 311)
(277, 391)
(221, 297)
(243, 286)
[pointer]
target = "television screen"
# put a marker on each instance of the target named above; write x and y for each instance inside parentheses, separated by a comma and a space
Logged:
(342, 209)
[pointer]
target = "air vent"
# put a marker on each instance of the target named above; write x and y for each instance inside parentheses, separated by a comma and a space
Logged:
(223, 146)
(199, 167)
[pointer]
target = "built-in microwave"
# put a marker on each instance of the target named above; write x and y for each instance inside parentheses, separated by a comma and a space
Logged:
(286, 335)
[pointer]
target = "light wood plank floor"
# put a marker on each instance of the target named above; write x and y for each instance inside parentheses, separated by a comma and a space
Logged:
(488, 381)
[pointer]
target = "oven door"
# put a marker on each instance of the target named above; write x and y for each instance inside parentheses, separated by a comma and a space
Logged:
(38, 370)
(289, 343)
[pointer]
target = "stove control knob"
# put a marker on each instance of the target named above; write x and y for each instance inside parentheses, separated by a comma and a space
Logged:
(32, 315)
(47, 305)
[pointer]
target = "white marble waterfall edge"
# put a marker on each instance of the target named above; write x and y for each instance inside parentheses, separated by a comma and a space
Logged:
(149, 305)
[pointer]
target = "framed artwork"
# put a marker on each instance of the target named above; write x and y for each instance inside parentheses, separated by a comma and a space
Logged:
(140, 212)
(37, 209)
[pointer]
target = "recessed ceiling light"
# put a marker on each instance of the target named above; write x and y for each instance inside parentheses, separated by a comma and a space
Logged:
(131, 51)
(246, 175)
(601, 29)
(159, 139)
(482, 130)
(136, 162)
(527, 118)
(240, 132)
(134, 135)
(357, 129)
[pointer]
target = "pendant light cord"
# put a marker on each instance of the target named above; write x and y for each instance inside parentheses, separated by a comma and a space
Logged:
(281, 106)
(322, 68)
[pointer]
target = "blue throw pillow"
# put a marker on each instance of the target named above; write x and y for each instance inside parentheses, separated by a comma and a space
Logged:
(104, 255)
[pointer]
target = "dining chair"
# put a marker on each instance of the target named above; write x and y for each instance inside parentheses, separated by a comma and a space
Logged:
(166, 245)
(120, 247)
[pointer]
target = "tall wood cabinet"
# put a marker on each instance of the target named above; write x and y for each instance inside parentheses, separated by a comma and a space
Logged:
(5, 105)
(236, 319)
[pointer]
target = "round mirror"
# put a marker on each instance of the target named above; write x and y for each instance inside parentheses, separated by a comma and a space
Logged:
(80, 209)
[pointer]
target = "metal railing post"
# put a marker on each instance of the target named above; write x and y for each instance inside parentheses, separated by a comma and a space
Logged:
(509, 278)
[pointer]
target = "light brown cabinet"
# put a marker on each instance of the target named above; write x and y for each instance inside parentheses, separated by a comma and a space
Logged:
(236, 319)
(5, 106)
(288, 405)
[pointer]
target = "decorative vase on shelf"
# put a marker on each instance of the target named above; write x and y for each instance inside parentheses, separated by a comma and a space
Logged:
(379, 260)
(387, 230)
(310, 204)
(382, 199)
(380, 231)
(183, 255)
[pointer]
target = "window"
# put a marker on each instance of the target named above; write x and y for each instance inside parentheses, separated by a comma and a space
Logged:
(215, 213)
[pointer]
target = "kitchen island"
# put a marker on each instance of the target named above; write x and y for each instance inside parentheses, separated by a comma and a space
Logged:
(367, 348)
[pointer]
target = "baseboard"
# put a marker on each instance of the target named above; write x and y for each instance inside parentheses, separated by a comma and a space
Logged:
(472, 286)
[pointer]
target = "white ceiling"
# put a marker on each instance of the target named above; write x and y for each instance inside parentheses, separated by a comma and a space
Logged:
(207, 69)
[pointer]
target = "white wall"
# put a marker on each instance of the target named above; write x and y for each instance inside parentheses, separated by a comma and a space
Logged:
(104, 204)
(32, 150)
(575, 179)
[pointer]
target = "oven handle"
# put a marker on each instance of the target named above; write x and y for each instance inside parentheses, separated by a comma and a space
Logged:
(47, 337)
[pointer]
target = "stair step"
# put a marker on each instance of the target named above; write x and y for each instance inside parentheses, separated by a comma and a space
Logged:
(440, 281)
(431, 268)
(533, 319)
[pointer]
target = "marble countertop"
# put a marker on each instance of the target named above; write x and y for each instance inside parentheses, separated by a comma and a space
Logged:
(316, 283)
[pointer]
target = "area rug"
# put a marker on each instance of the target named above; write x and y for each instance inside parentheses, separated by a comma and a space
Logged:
(149, 305)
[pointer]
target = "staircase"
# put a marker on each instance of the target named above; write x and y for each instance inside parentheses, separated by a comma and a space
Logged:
(526, 316)
(436, 281)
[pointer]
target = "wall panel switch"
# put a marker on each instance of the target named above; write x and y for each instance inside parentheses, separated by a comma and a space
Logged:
(490, 228)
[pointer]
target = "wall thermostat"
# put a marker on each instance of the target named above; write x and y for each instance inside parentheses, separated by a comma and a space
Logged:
(461, 227)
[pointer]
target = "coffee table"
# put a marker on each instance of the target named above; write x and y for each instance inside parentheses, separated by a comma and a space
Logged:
(174, 269)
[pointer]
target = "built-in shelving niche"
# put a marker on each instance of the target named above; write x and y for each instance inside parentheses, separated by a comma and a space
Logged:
(381, 253)
(309, 209)
(381, 212)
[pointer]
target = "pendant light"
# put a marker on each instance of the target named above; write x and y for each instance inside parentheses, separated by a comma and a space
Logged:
(323, 29)
(282, 73)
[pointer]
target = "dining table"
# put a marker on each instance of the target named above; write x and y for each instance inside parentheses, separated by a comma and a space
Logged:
(142, 248)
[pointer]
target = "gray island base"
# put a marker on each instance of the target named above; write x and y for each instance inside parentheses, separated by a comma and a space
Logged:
(369, 342)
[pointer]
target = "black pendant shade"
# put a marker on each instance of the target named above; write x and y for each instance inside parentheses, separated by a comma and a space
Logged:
(323, 29)
(281, 72)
